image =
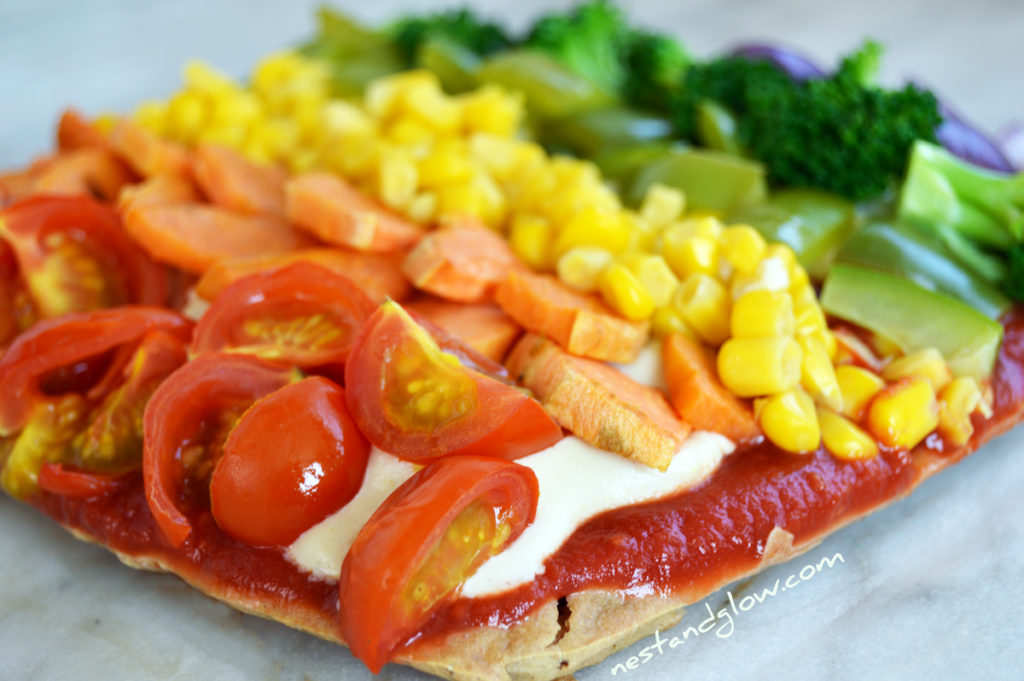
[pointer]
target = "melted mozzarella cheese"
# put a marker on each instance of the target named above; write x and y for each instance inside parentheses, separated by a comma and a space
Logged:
(577, 482)
(647, 368)
(322, 548)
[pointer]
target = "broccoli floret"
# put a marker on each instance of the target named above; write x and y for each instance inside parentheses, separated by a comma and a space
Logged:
(655, 65)
(461, 27)
(841, 134)
(589, 40)
(978, 213)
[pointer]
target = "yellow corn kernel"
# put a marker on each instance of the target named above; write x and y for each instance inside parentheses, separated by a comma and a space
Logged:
(152, 115)
(751, 367)
(186, 114)
(844, 438)
(409, 131)
(783, 253)
(662, 204)
(957, 401)
(105, 122)
(904, 413)
(926, 363)
(339, 118)
(667, 320)
(303, 159)
(771, 274)
(704, 303)
(809, 318)
(624, 293)
(423, 207)
(700, 225)
(279, 136)
(529, 237)
(789, 421)
(762, 313)
(817, 375)
(655, 275)
(884, 347)
(460, 200)
(579, 267)
(444, 167)
(397, 179)
(593, 227)
(492, 109)
(743, 247)
(200, 77)
(690, 254)
(857, 387)
(643, 236)
(803, 295)
(798, 276)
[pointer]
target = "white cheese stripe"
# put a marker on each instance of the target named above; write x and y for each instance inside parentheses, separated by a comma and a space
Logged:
(577, 482)
(647, 368)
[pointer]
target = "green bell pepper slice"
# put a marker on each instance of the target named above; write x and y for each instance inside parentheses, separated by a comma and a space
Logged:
(711, 180)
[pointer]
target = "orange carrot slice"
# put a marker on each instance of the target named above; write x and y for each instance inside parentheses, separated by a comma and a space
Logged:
(146, 153)
(379, 274)
(461, 263)
(75, 131)
(581, 324)
(233, 181)
(698, 396)
(336, 212)
(599, 403)
(159, 190)
(194, 236)
(93, 171)
(481, 326)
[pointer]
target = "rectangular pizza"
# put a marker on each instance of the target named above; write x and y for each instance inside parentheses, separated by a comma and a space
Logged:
(494, 353)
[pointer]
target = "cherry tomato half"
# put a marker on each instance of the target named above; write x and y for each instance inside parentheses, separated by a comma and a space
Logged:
(56, 478)
(74, 256)
(423, 542)
(420, 403)
(302, 314)
(294, 457)
(187, 420)
(55, 353)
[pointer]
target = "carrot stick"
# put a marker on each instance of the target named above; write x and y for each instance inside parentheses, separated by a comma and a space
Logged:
(461, 263)
(379, 274)
(146, 153)
(581, 324)
(233, 181)
(75, 131)
(599, 403)
(336, 212)
(698, 396)
(92, 171)
(481, 326)
(194, 236)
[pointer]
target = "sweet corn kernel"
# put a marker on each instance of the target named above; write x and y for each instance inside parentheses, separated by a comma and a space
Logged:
(803, 295)
(750, 367)
(843, 438)
(960, 398)
(926, 363)
(857, 387)
(493, 110)
(704, 303)
(809, 318)
(461, 200)
(444, 167)
(593, 227)
(798, 276)
(667, 320)
(783, 253)
(152, 115)
(743, 247)
(904, 413)
(662, 204)
(788, 419)
(624, 293)
(579, 267)
(398, 180)
(771, 274)
(884, 347)
(762, 313)
(817, 375)
(655, 275)
(186, 114)
(700, 225)
(529, 236)
(688, 253)
(423, 207)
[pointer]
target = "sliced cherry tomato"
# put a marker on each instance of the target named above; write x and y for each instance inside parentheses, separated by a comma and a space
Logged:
(56, 478)
(17, 312)
(302, 314)
(423, 542)
(416, 401)
(186, 422)
(71, 353)
(74, 256)
(293, 458)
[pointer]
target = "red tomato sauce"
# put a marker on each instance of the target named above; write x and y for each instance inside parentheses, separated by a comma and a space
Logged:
(689, 542)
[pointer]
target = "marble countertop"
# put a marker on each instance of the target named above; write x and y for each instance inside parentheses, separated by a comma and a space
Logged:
(931, 587)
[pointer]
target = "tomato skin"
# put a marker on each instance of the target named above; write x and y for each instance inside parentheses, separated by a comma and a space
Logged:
(55, 478)
(291, 295)
(74, 338)
(294, 457)
(128, 275)
(202, 391)
(392, 546)
(502, 421)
